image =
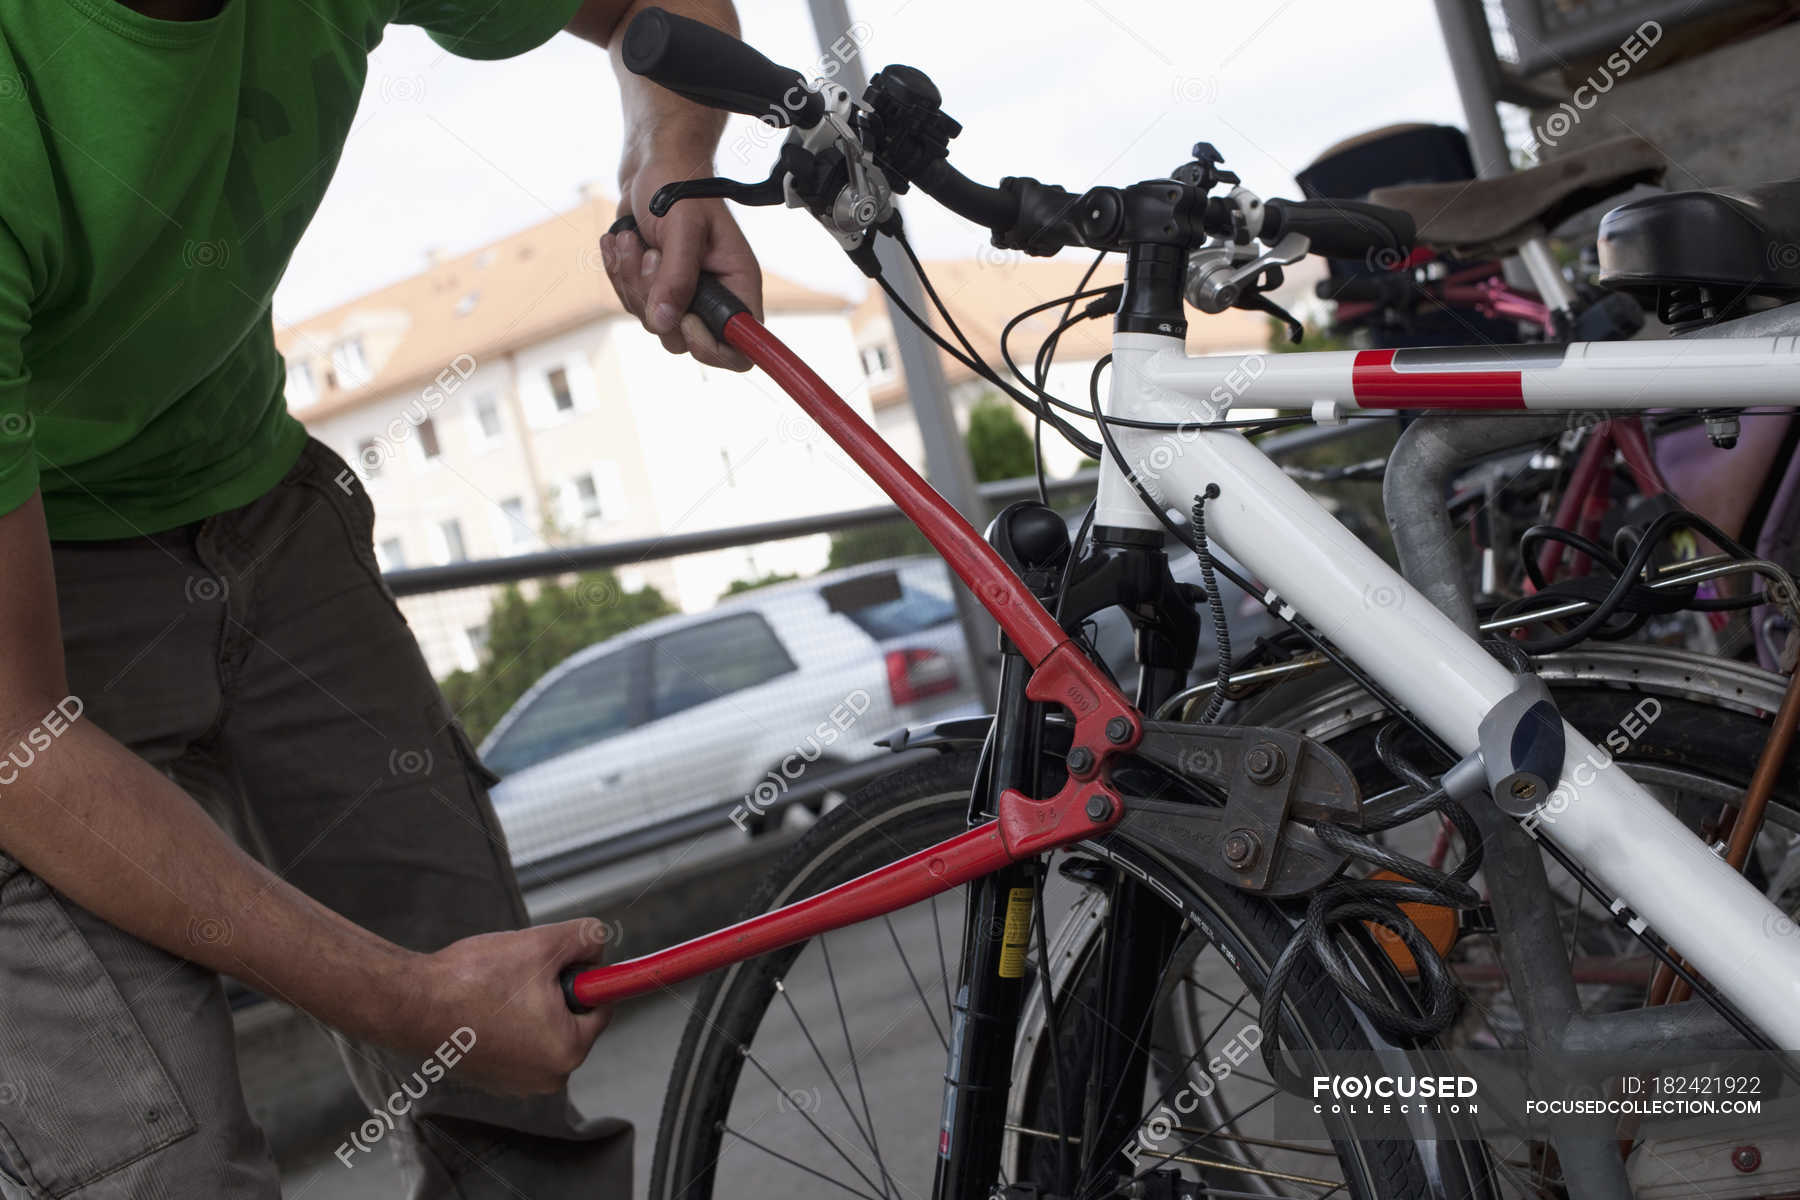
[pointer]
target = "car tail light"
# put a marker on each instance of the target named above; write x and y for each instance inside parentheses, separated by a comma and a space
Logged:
(915, 674)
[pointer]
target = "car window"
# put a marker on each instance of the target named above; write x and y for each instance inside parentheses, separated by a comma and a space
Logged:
(704, 662)
(912, 610)
(590, 703)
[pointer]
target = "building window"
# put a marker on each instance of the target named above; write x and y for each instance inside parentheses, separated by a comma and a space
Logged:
(486, 411)
(587, 496)
(390, 554)
(450, 541)
(348, 363)
(516, 528)
(300, 391)
(369, 456)
(560, 396)
(473, 646)
(876, 362)
(428, 439)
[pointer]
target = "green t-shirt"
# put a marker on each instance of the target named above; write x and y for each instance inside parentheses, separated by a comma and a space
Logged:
(158, 175)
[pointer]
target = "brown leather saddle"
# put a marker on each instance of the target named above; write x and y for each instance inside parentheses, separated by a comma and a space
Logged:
(1486, 218)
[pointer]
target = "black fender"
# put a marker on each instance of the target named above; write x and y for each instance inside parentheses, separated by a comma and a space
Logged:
(966, 733)
(956, 733)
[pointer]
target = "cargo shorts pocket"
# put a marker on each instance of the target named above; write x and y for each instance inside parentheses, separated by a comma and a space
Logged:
(82, 1094)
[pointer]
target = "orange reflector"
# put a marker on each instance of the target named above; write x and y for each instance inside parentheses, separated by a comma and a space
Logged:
(1435, 921)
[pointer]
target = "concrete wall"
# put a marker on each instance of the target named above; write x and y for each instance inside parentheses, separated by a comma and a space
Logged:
(1723, 118)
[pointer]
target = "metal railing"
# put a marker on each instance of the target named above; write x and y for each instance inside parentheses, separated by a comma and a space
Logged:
(629, 552)
(468, 589)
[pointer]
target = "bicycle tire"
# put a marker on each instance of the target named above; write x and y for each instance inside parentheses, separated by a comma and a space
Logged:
(904, 811)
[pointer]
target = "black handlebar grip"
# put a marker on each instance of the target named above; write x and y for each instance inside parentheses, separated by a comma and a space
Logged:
(567, 979)
(1343, 228)
(710, 67)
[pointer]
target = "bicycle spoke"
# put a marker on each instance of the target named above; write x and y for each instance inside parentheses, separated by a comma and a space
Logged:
(1112, 1101)
(831, 1076)
(1176, 1075)
(1065, 1147)
(937, 931)
(1268, 1143)
(1214, 1031)
(1191, 1143)
(796, 1164)
(918, 989)
(807, 1117)
(850, 1050)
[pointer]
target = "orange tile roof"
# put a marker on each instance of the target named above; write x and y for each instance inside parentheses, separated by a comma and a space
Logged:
(986, 292)
(519, 290)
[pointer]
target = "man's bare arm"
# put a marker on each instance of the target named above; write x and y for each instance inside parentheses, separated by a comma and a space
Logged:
(114, 835)
(667, 139)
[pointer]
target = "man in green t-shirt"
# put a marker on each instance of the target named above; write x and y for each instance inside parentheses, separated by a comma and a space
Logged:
(220, 749)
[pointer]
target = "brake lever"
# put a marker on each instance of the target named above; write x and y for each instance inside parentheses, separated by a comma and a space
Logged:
(1258, 302)
(764, 194)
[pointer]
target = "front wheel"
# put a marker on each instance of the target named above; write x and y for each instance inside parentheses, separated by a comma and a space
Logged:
(818, 1070)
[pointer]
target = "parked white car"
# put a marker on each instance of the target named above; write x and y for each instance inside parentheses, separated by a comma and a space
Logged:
(726, 710)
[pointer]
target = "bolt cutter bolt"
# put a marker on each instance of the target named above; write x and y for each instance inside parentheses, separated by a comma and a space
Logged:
(1118, 730)
(1240, 848)
(1081, 760)
(1099, 808)
(1265, 763)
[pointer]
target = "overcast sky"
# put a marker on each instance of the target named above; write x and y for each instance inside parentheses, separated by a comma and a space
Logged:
(450, 154)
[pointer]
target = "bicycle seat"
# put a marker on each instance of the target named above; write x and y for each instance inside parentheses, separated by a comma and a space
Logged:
(1742, 241)
(1491, 217)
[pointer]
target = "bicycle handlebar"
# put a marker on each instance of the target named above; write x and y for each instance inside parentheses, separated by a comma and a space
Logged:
(710, 67)
(907, 133)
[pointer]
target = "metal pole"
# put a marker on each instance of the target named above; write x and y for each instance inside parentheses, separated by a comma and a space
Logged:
(1470, 45)
(946, 456)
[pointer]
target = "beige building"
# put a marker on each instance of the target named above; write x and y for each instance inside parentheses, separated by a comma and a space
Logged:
(501, 402)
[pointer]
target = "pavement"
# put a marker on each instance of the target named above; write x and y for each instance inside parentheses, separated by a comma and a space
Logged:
(899, 1054)
(625, 1076)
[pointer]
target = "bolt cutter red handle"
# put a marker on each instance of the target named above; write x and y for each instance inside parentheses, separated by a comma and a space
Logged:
(1062, 674)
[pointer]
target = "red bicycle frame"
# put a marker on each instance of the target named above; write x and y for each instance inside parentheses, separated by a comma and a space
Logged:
(1585, 502)
(1106, 723)
(1481, 287)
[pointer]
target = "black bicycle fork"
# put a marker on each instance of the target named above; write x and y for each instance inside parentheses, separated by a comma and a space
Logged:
(1128, 570)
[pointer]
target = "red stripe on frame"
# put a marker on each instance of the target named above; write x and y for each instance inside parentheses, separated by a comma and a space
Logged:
(1375, 384)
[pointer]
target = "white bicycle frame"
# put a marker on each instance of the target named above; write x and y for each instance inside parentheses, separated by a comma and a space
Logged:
(1609, 824)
